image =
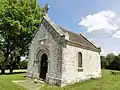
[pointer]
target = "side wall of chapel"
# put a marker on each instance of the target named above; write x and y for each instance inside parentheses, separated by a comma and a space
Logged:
(91, 65)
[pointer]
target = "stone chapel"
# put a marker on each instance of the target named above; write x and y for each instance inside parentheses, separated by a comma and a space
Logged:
(61, 57)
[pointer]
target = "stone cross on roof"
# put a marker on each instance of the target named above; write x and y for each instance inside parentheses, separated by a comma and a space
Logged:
(46, 8)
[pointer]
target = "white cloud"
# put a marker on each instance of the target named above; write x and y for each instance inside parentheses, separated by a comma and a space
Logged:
(104, 20)
(104, 52)
(104, 28)
(117, 34)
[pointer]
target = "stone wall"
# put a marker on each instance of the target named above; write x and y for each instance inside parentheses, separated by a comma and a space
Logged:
(62, 57)
(49, 40)
(91, 64)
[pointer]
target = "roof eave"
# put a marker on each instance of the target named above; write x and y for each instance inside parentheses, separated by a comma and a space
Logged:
(92, 49)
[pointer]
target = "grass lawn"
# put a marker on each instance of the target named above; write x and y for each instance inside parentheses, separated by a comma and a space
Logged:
(6, 81)
(107, 82)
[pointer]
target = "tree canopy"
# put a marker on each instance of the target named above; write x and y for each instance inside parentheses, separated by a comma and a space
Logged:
(111, 61)
(19, 20)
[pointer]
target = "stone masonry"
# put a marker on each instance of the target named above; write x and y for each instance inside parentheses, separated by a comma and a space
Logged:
(62, 55)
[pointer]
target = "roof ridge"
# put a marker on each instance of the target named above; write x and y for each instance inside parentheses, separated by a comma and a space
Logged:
(68, 30)
(54, 25)
(76, 37)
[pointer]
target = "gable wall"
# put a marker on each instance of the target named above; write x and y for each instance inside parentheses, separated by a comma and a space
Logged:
(49, 36)
(91, 65)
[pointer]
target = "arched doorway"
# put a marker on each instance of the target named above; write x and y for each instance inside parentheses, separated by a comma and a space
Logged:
(43, 66)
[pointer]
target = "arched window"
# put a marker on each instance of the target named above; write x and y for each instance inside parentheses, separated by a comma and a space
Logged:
(79, 60)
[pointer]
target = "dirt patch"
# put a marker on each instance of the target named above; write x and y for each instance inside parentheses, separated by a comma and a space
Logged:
(29, 84)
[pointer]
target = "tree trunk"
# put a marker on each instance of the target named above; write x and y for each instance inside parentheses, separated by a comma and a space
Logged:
(3, 68)
(11, 71)
(2, 71)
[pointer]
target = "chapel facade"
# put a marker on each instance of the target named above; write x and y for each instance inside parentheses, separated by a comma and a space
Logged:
(61, 57)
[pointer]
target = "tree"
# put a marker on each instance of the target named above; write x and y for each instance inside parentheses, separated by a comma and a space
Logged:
(1, 58)
(111, 62)
(115, 65)
(103, 62)
(109, 59)
(19, 20)
(23, 64)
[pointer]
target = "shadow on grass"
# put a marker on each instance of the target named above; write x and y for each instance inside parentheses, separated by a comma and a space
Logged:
(13, 73)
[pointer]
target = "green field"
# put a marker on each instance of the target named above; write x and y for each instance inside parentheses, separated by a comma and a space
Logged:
(7, 84)
(107, 82)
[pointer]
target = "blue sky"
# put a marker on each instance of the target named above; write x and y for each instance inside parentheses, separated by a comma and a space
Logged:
(96, 19)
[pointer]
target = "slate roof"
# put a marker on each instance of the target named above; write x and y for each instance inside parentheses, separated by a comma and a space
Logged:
(79, 38)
